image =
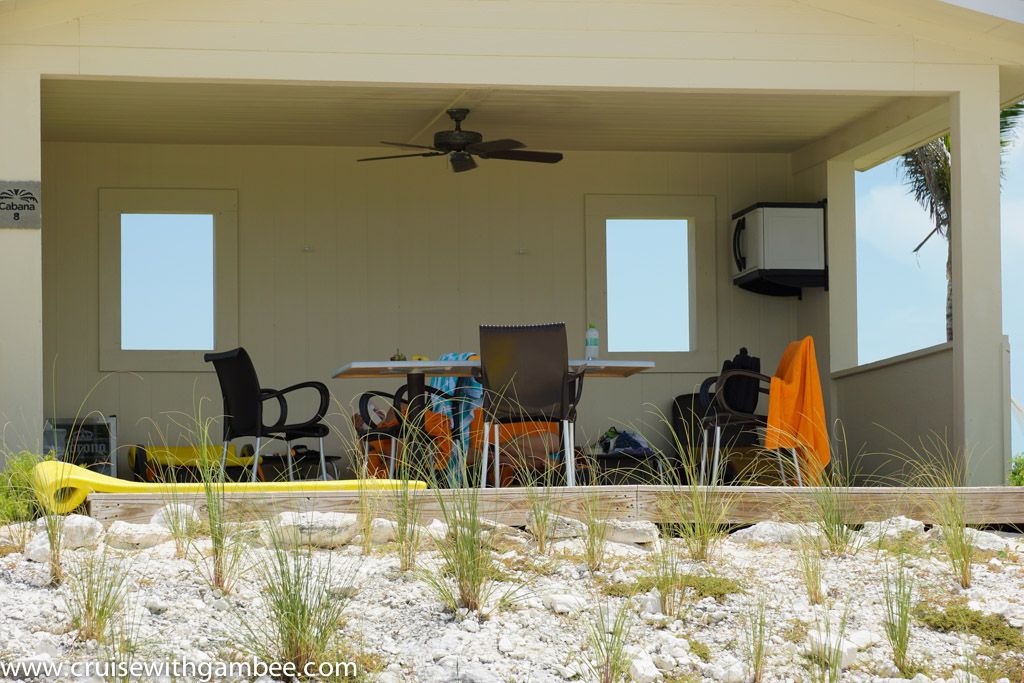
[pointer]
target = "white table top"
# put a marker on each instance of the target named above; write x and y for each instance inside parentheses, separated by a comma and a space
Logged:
(370, 369)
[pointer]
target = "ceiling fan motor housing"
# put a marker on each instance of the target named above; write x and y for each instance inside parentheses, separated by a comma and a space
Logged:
(452, 140)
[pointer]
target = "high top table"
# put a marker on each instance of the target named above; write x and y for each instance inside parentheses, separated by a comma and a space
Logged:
(416, 372)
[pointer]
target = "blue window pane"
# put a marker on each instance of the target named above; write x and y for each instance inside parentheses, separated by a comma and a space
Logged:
(648, 276)
(167, 282)
(901, 296)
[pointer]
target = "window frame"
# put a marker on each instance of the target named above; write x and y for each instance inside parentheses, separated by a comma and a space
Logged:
(699, 212)
(223, 206)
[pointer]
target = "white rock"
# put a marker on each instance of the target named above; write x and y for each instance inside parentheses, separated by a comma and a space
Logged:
(663, 661)
(436, 530)
(642, 668)
(38, 548)
(564, 603)
(382, 531)
(317, 529)
(129, 536)
(679, 653)
(632, 531)
(892, 528)
(986, 540)
(734, 673)
(475, 673)
(651, 602)
(863, 639)
(772, 532)
(175, 515)
(558, 526)
(45, 644)
(157, 606)
(824, 646)
(964, 677)
(503, 538)
(76, 531)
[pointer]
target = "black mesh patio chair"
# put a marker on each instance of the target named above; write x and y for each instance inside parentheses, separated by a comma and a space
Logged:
(243, 409)
(390, 426)
(524, 370)
(733, 406)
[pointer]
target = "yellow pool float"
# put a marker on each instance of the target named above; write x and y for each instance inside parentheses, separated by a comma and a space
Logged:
(61, 487)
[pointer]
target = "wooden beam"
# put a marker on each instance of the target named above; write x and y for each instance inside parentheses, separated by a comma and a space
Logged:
(662, 504)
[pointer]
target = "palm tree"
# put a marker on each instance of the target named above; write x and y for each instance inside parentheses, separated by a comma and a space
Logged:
(926, 172)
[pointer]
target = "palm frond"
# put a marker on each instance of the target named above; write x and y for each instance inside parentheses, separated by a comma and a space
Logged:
(926, 173)
(1009, 118)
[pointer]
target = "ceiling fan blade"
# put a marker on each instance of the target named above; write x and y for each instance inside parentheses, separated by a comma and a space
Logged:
(494, 146)
(525, 155)
(405, 144)
(461, 161)
(404, 156)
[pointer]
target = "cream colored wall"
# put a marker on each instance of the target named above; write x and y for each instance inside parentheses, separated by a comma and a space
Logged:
(399, 254)
(21, 319)
(893, 409)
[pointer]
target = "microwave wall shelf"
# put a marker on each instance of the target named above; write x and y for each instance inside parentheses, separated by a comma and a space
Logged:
(778, 248)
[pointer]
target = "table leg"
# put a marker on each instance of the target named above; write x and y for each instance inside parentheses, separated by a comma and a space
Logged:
(417, 383)
(416, 441)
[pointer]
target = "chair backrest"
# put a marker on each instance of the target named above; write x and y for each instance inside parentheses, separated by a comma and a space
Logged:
(240, 388)
(524, 371)
(741, 392)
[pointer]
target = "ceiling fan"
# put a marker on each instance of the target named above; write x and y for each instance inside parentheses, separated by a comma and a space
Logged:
(462, 145)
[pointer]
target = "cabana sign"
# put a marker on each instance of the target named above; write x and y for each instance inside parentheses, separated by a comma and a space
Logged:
(19, 204)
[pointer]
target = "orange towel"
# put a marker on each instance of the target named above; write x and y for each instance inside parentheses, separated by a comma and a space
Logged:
(796, 410)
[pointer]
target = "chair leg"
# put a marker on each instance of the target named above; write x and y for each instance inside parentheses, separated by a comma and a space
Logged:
(796, 467)
(393, 460)
(256, 459)
(291, 462)
(323, 461)
(484, 453)
(572, 453)
(497, 456)
(703, 456)
(718, 452)
(565, 453)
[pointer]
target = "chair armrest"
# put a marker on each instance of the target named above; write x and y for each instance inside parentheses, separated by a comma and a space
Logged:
(325, 398)
(267, 394)
(364, 406)
(705, 393)
(574, 386)
(729, 374)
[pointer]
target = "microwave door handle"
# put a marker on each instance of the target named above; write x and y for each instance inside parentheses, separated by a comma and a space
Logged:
(741, 260)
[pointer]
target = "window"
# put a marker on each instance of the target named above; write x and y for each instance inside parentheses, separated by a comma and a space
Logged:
(167, 285)
(897, 288)
(651, 278)
(168, 278)
(648, 311)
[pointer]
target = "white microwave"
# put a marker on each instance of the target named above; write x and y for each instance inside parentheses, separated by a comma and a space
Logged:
(779, 248)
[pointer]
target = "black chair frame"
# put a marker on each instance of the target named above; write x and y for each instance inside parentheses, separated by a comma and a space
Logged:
(243, 411)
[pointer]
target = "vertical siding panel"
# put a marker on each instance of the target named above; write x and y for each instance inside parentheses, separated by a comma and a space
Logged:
(404, 254)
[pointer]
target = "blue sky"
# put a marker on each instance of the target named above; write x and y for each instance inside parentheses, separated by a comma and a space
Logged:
(901, 296)
(166, 281)
(648, 313)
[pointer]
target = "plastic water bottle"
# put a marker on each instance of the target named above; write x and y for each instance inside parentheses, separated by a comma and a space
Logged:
(593, 342)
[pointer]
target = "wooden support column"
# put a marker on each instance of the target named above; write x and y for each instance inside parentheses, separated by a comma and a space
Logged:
(21, 301)
(980, 412)
(842, 265)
